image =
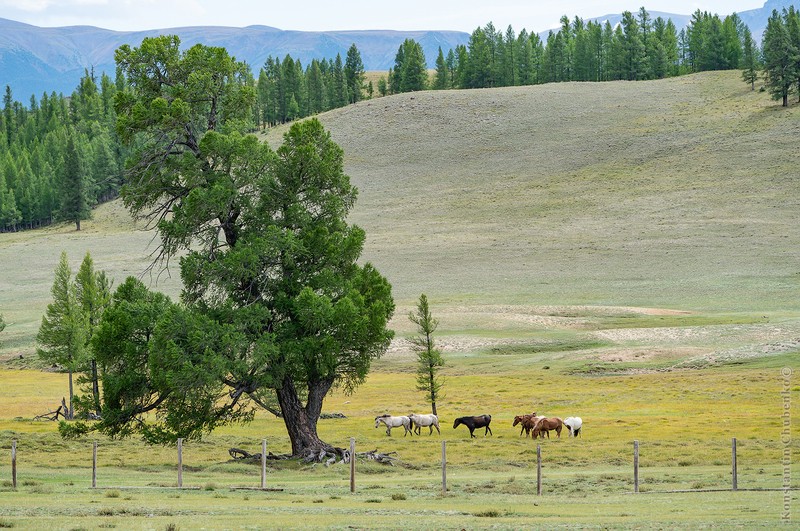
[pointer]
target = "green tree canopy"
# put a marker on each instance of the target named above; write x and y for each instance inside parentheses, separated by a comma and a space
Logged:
(274, 301)
(410, 72)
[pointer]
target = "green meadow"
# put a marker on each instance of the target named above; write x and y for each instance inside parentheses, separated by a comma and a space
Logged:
(623, 252)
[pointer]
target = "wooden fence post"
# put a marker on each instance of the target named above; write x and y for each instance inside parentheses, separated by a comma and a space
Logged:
(180, 463)
(263, 463)
(352, 464)
(94, 465)
(14, 463)
(444, 468)
(733, 465)
(635, 466)
(538, 469)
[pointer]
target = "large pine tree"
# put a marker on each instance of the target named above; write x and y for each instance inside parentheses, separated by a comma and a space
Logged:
(354, 73)
(779, 62)
(74, 203)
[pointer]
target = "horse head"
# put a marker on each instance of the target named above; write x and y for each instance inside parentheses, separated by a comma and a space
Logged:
(456, 423)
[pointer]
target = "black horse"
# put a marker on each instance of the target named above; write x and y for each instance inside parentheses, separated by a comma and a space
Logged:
(481, 421)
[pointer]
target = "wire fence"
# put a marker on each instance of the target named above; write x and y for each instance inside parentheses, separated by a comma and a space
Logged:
(541, 479)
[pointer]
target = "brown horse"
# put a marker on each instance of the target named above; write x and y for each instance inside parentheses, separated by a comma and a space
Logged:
(543, 426)
(528, 422)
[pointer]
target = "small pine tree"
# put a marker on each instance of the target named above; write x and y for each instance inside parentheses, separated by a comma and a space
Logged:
(429, 358)
(442, 79)
(93, 290)
(750, 64)
(62, 335)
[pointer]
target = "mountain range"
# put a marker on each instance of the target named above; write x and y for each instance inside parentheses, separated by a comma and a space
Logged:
(34, 60)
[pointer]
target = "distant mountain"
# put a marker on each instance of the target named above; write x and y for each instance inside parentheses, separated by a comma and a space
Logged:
(35, 60)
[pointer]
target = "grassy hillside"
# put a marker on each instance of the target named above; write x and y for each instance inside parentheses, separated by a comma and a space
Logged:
(536, 214)
(675, 193)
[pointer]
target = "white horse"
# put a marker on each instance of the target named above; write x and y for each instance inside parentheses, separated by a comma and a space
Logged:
(421, 421)
(573, 424)
(394, 422)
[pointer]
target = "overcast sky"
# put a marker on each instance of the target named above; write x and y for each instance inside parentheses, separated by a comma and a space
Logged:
(322, 15)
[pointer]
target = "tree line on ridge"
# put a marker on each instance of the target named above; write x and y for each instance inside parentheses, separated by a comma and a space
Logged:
(60, 155)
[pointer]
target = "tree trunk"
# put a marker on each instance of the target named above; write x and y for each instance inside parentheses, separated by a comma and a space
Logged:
(95, 388)
(71, 411)
(78, 224)
(301, 422)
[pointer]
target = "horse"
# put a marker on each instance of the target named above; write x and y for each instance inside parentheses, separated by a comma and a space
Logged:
(481, 421)
(547, 424)
(528, 422)
(574, 425)
(393, 422)
(420, 421)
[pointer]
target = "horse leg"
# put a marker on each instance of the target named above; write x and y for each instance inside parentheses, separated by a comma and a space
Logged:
(437, 429)
(489, 431)
(388, 430)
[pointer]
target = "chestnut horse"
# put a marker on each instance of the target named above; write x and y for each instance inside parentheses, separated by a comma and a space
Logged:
(528, 422)
(481, 421)
(543, 426)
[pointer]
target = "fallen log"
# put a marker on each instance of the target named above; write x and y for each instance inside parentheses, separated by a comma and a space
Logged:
(327, 454)
(239, 454)
(53, 415)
